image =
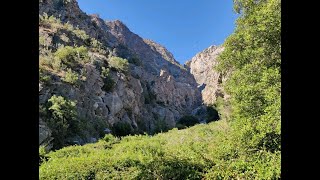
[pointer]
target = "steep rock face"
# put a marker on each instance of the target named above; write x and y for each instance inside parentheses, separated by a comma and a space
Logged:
(209, 81)
(168, 79)
(69, 11)
(152, 96)
(44, 134)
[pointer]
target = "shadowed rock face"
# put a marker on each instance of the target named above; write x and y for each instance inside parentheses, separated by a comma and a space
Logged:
(173, 88)
(209, 81)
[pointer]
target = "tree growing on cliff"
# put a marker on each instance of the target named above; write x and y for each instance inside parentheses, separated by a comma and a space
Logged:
(62, 118)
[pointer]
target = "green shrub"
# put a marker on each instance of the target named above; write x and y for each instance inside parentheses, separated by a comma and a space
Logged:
(48, 61)
(81, 34)
(62, 119)
(212, 114)
(105, 72)
(97, 46)
(71, 56)
(48, 20)
(122, 129)
(44, 77)
(188, 120)
(119, 64)
(43, 41)
(42, 154)
(107, 79)
(71, 77)
(110, 139)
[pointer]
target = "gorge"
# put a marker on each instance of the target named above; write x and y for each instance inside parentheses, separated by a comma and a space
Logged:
(151, 95)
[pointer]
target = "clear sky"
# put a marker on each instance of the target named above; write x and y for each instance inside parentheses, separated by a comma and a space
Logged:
(184, 27)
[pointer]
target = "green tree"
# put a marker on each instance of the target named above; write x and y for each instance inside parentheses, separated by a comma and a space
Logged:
(122, 129)
(252, 57)
(62, 119)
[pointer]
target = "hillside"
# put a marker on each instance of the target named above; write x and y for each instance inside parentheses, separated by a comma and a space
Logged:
(117, 81)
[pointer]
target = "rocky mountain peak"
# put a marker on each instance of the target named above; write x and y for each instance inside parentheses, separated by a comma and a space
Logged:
(162, 50)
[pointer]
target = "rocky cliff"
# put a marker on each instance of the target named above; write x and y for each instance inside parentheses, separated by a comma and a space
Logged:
(150, 96)
(201, 66)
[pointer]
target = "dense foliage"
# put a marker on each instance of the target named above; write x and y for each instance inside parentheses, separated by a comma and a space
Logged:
(121, 129)
(177, 154)
(70, 56)
(71, 77)
(61, 118)
(119, 64)
(252, 58)
(212, 114)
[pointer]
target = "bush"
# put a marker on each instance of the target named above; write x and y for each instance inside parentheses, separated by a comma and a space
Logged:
(97, 46)
(47, 60)
(109, 138)
(118, 63)
(81, 34)
(122, 129)
(212, 114)
(108, 84)
(48, 20)
(188, 121)
(71, 77)
(44, 77)
(42, 154)
(71, 56)
(62, 119)
(107, 79)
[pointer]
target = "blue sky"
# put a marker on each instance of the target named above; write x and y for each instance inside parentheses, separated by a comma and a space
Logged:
(184, 27)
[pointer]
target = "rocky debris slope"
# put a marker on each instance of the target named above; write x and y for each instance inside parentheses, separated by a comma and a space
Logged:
(209, 81)
(151, 97)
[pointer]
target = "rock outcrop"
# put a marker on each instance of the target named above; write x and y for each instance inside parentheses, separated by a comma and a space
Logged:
(201, 66)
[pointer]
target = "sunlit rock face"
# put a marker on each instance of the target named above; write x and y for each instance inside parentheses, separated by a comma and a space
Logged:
(209, 81)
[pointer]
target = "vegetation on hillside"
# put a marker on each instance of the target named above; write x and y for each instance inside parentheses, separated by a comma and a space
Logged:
(63, 53)
(177, 154)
